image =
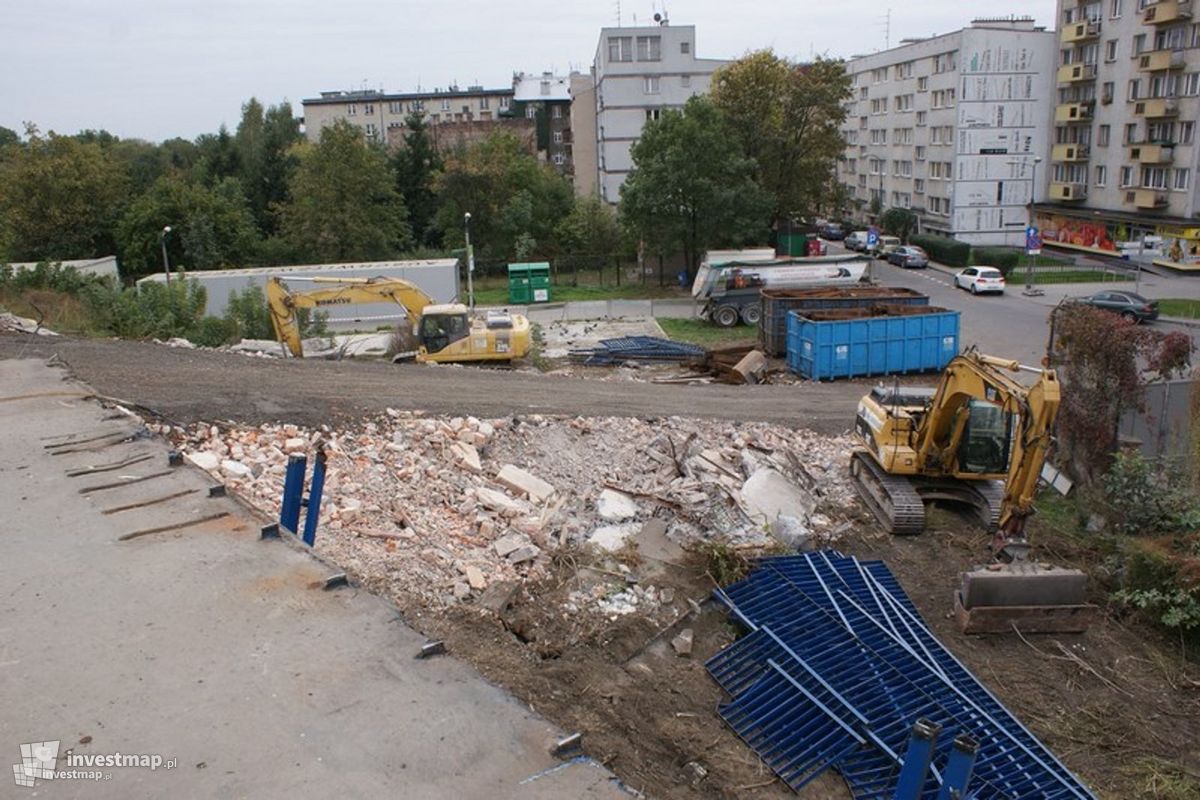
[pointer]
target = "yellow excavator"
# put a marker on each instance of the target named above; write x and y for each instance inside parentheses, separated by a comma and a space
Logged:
(445, 333)
(979, 438)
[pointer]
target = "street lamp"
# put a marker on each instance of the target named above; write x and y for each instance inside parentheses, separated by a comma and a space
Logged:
(162, 240)
(470, 262)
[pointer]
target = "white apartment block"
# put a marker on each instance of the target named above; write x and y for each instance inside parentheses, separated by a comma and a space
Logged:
(953, 127)
(1125, 153)
(637, 73)
(381, 115)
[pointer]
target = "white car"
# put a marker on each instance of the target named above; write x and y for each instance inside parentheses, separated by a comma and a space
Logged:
(980, 279)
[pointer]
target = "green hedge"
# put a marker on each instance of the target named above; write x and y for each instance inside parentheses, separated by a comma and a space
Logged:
(1002, 258)
(950, 252)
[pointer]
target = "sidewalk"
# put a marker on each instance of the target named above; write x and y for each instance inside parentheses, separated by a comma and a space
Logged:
(208, 645)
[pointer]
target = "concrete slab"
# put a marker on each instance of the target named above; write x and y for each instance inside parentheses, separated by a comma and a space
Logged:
(212, 647)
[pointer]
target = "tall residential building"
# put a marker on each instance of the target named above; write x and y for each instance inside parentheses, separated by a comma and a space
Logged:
(381, 115)
(583, 135)
(952, 127)
(638, 72)
(1125, 151)
(546, 99)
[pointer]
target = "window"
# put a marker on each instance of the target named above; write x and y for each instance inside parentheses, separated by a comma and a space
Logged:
(504, 102)
(556, 112)
(1160, 132)
(1110, 50)
(946, 62)
(1181, 179)
(685, 81)
(922, 84)
(1114, 9)
(484, 103)
(879, 136)
(395, 108)
(649, 48)
(653, 113)
(919, 186)
(879, 105)
(1154, 177)
(1139, 45)
(1135, 89)
(904, 70)
(920, 152)
(921, 116)
(1126, 176)
(369, 109)
(1187, 130)
(1104, 135)
(904, 102)
(902, 136)
(1131, 133)
(559, 159)
(372, 130)
(530, 112)
(650, 84)
(685, 47)
(445, 104)
(1191, 84)
(1101, 176)
(558, 137)
(904, 169)
(351, 110)
(620, 48)
(1107, 92)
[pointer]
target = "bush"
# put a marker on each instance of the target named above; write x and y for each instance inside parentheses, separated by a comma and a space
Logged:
(1162, 578)
(1143, 499)
(46, 275)
(248, 315)
(950, 252)
(1002, 258)
(150, 309)
(212, 332)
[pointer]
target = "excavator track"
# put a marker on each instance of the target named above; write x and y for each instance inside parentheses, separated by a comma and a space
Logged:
(892, 499)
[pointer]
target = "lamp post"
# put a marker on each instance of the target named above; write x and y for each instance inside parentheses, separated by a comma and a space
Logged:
(470, 263)
(162, 240)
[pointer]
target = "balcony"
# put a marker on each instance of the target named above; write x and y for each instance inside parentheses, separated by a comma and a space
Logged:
(1074, 112)
(1073, 73)
(1147, 199)
(1152, 153)
(1156, 107)
(1069, 152)
(1166, 12)
(1159, 60)
(1068, 192)
(1080, 32)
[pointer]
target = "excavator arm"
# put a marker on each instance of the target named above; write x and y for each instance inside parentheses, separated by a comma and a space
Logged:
(283, 303)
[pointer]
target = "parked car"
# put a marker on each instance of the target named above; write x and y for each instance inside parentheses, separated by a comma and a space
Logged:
(980, 279)
(833, 232)
(856, 241)
(909, 256)
(884, 245)
(1129, 305)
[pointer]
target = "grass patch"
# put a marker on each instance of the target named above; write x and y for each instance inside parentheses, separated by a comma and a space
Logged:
(706, 334)
(1179, 307)
(1068, 276)
(58, 311)
(1158, 779)
(498, 295)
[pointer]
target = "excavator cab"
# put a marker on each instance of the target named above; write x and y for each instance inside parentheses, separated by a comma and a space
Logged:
(441, 329)
(987, 439)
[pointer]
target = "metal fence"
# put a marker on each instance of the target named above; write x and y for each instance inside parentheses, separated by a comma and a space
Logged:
(1163, 428)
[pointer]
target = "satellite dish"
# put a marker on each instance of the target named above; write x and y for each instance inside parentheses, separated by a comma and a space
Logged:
(658, 17)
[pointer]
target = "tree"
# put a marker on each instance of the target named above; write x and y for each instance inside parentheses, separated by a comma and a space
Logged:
(515, 203)
(211, 227)
(691, 188)
(216, 157)
(264, 142)
(1106, 363)
(898, 222)
(590, 229)
(416, 164)
(343, 204)
(59, 198)
(787, 117)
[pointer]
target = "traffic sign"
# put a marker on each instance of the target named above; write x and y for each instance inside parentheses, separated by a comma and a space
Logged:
(1033, 241)
(872, 236)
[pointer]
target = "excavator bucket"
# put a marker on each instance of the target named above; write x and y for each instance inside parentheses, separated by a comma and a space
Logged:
(1032, 597)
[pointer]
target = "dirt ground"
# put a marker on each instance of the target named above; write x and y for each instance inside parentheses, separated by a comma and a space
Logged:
(1117, 704)
(188, 386)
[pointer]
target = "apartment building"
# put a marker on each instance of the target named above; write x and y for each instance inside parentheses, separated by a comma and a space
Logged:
(953, 127)
(1125, 156)
(546, 99)
(381, 115)
(637, 73)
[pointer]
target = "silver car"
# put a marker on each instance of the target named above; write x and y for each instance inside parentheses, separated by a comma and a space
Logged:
(909, 256)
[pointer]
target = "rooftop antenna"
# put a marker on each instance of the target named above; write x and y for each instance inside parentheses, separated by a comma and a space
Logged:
(618, 13)
(887, 30)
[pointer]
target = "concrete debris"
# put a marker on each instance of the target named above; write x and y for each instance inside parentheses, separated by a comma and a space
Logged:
(522, 483)
(406, 511)
(11, 322)
(682, 644)
(615, 506)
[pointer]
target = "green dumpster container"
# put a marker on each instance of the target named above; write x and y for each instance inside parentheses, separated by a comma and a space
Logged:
(529, 283)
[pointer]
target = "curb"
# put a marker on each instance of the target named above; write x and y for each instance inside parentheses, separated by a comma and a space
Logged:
(1184, 321)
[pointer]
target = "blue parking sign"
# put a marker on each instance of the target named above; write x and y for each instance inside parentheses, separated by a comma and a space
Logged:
(872, 236)
(1033, 241)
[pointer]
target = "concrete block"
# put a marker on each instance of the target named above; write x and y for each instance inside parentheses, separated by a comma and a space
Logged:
(235, 469)
(467, 456)
(475, 578)
(507, 544)
(526, 552)
(768, 495)
(1024, 584)
(682, 644)
(613, 537)
(204, 460)
(524, 483)
(497, 501)
(615, 506)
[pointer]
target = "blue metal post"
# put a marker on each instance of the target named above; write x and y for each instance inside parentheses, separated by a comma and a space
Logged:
(314, 499)
(916, 760)
(293, 491)
(959, 768)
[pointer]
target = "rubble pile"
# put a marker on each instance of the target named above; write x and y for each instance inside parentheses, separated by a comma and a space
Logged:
(436, 510)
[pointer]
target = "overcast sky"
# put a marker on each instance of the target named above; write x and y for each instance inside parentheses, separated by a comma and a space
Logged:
(155, 69)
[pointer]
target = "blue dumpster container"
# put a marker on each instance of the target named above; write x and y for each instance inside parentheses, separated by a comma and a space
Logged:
(883, 340)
